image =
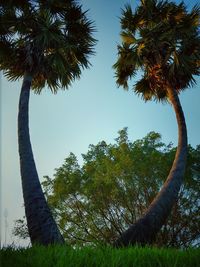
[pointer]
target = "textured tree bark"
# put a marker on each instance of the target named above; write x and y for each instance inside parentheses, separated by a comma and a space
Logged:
(143, 231)
(41, 225)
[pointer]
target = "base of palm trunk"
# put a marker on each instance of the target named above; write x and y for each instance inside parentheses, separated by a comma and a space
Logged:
(140, 233)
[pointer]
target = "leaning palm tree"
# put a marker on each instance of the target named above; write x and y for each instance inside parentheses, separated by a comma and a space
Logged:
(161, 39)
(47, 42)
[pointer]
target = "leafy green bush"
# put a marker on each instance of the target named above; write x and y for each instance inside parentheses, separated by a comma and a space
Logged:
(116, 183)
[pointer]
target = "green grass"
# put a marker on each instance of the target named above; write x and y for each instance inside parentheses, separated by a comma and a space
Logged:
(64, 256)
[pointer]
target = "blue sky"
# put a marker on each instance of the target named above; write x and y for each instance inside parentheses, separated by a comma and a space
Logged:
(93, 109)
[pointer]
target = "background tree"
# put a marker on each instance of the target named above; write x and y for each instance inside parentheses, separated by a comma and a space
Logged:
(95, 203)
(160, 38)
(47, 43)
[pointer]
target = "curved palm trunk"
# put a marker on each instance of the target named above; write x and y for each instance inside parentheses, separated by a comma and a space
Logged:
(41, 225)
(145, 229)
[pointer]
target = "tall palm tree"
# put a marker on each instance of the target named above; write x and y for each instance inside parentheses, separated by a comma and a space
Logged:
(47, 42)
(161, 39)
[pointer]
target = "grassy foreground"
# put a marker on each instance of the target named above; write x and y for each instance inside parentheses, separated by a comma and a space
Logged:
(63, 256)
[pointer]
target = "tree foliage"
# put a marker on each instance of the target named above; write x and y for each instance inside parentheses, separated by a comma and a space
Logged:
(161, 39)
(96, 202)
(51, 40)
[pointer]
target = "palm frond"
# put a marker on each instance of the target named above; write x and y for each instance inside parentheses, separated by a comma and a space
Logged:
(128, 38)
(127, 19)
(143, 89)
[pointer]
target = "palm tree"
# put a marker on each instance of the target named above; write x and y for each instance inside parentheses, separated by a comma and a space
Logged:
(47, 42)
(162, 40)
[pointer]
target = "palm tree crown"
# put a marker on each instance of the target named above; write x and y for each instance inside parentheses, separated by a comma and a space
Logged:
(162, 39)
(51, 40)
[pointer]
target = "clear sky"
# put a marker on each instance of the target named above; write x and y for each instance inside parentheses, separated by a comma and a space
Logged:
(93, 109)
